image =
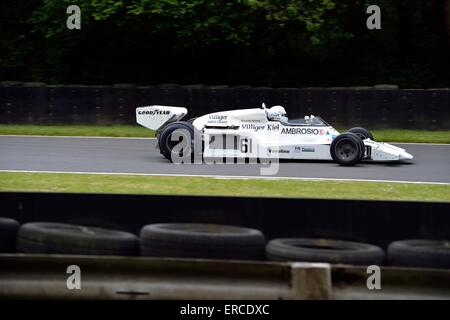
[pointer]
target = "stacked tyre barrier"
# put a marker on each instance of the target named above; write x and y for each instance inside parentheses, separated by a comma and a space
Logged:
(197, 240)
(420, 253)
(62, 238)
(8, 234)
(324, 250)
(212, 241)
(380, 106)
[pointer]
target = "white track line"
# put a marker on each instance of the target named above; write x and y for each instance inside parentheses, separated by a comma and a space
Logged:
(152, 138)
(421, 143)
(77, 137)
(225, 176)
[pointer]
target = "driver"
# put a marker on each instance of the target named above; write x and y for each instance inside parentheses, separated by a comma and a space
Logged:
(277, 113)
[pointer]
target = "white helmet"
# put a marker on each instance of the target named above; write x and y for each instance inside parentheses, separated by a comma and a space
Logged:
(277, 113)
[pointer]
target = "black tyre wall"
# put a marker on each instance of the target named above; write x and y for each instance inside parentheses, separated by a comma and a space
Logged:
(8, 235)
(192, 240)
(420, 253)
(46, 237)
(324, 250)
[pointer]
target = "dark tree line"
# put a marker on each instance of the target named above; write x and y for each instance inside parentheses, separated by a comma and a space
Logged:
(257, 42)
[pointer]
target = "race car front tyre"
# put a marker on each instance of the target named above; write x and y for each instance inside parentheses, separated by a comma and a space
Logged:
(177, 148)
(199, 240)
(419, 253)
(347, 149)
(362, 133)
(8, 235)
(324, 250)
(61, 238)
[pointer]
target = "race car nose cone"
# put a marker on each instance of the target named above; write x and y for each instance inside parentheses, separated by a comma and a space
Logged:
(405, 156)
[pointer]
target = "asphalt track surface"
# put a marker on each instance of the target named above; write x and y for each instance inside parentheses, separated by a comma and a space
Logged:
(124, 155)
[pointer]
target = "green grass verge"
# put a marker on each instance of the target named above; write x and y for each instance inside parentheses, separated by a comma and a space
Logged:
(77, 130)
(396, 135)
(90, 183)
(399, 135)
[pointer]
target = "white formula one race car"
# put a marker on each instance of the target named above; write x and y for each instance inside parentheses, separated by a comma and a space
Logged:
(261, 133)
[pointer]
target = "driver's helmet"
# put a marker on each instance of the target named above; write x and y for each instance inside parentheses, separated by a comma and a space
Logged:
(277, 113)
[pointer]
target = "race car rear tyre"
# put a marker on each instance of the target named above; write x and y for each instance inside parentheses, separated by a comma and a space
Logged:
(347, 149)
(362, 133)
(419, 253)
(166, 145)
(199, 240)
(8, 235)
(61, 238)
(324, 250)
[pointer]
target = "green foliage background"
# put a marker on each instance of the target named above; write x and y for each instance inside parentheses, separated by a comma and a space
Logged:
(257, 42)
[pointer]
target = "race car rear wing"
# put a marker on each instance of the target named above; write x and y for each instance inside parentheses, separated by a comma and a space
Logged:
(154, 117)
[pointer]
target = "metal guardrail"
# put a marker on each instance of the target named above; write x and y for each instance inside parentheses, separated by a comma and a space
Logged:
(396, 284)
(44, 277)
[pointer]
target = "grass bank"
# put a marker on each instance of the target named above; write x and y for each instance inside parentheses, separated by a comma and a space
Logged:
(132, 184)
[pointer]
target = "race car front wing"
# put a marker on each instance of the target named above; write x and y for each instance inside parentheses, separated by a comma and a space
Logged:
(380, 151)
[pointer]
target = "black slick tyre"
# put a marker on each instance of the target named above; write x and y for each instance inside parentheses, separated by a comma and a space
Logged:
(362, 133)
(347, 149)
(167, 142)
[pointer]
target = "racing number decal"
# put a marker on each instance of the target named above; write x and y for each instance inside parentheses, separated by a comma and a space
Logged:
(224, 142)
(230, 142)
(246, 145)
